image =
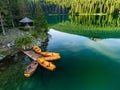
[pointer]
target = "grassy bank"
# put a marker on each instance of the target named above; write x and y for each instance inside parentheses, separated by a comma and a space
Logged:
(89, 31)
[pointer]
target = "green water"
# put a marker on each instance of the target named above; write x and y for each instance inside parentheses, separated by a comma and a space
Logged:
(84, 65)
(53, 19)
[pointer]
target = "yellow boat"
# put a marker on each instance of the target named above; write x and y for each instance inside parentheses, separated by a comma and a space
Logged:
(31, 69)
(48, 65)
(37, 49)
(52, 58)
(49, 56)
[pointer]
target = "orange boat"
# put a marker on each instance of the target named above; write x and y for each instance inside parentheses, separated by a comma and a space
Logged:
(48, 65)
(37, 49)
(52, 58)
(31, 69)
(49, 56)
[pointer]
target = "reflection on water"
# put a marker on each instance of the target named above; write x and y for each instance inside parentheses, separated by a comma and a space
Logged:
(111, 20)
(53, 19)
(84, 65)
(97, 20)
(107, 47)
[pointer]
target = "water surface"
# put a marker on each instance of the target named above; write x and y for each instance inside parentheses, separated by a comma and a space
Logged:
(85, 64)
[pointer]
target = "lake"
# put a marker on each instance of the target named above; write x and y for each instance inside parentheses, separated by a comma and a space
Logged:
(85, 64)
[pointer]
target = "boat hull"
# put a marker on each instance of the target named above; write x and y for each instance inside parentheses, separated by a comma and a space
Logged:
(48, 65)
(31, 69)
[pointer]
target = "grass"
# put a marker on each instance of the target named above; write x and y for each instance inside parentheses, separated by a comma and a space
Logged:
(89, 31)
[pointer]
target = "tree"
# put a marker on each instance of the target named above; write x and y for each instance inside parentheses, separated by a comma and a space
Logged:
(11, 14)
(23, 9)
(3, 12)
(39, 21)
(2, 25)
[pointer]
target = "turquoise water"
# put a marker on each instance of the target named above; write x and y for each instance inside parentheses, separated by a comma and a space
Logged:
(84, 65)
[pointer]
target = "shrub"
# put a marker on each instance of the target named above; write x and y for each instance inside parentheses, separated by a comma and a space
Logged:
(25, 40)
(35, 34)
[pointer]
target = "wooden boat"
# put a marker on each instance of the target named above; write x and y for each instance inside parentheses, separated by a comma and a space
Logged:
(31, 69)
(49, 56)
(52, 58)
(48, 65)
(37, 49)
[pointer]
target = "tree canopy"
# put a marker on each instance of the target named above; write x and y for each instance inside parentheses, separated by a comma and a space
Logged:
(89, 6)
(11, 11)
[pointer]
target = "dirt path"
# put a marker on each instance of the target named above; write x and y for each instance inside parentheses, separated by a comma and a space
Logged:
(10, 36)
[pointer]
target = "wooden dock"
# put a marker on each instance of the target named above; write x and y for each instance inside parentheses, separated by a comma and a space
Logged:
(33, 55)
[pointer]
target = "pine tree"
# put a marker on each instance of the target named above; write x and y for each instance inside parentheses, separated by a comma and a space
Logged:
(3, 13)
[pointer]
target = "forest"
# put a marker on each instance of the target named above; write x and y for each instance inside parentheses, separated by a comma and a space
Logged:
(88, 7)
(97, 15)
(11, 11)
(83, 34)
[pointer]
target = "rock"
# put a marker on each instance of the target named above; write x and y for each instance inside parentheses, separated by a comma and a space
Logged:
(2, 68)
(1, 57)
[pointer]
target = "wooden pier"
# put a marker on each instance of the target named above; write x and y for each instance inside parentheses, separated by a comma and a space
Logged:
(43, 58)
(33, 55)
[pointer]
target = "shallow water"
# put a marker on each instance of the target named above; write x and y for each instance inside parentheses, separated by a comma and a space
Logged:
(84, 65)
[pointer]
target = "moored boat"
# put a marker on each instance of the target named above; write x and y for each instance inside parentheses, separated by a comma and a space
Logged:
(37, 49)
(31, 69)
(52, 58)
(48, 65)
(49, 56)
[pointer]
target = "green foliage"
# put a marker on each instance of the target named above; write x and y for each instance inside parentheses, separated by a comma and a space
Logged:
(39, 19)
(89, 31)
(14, 5)
(96, 20)
(24, 40)
(13, 72)
(23, 8)
(88, 6)
(35, 34)
(4, 7)
(24, 29)
(35, 11)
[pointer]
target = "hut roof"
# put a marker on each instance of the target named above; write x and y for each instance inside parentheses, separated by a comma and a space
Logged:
(25, 20)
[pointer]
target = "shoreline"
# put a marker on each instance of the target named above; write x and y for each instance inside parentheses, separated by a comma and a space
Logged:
(7, 42)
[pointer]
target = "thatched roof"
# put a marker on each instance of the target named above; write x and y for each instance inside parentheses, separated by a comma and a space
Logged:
(25, 20)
